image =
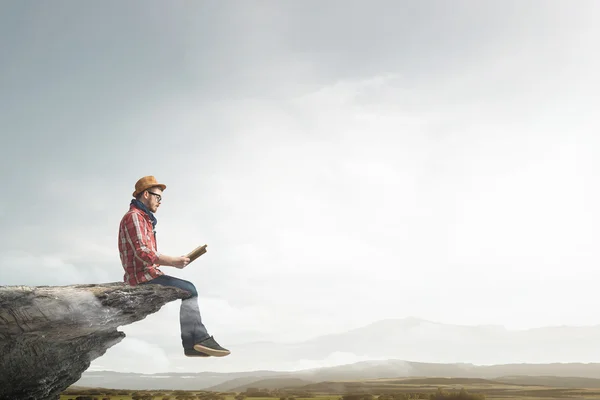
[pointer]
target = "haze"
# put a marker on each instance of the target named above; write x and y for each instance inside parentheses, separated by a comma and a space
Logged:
(345, 162)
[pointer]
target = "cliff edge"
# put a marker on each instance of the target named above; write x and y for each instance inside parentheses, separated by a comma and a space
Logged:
(50, 334)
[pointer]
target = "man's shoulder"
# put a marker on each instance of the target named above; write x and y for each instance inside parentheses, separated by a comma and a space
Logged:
(132, 213)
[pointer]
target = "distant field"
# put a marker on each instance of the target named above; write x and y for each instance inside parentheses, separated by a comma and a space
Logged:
(173, 397)
(334, 390)
(491, 393)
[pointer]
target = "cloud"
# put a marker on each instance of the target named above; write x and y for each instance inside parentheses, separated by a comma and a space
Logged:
(332, 360)
(127, 355)
(38, 270)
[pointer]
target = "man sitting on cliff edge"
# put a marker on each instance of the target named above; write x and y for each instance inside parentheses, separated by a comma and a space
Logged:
(141, 262)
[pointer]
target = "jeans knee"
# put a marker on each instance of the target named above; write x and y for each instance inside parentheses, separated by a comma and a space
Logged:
(179, 283)
(189, 286)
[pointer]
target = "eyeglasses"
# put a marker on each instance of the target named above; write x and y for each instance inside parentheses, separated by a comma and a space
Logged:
(158, 196)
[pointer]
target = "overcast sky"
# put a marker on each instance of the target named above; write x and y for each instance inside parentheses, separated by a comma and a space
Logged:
(344, 161)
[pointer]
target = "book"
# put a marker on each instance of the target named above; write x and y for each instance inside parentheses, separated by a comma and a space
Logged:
(197, 252)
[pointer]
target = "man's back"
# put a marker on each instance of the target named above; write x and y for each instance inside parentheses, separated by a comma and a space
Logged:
(137, 247)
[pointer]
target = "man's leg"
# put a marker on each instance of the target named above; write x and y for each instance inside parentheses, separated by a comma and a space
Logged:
(193, 332)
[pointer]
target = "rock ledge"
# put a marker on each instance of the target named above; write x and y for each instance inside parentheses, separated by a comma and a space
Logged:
(49, 335)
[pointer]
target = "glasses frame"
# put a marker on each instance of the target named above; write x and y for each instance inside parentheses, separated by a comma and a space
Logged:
(158, 196)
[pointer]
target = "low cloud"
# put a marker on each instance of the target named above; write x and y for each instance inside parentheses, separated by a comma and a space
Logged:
(37, 270)
(128, 355)
(332, 360)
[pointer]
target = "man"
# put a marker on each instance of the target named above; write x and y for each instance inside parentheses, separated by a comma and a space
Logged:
(141, 262)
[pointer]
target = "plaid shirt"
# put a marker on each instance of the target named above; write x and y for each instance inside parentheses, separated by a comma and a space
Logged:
(137, 247)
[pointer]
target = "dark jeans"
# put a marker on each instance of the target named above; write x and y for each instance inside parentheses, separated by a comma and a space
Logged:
(192, 329)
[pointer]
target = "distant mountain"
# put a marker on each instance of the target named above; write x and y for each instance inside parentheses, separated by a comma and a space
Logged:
(172, 380)
(426, 341)
(336, 378)
(443, 350)
(270, 383)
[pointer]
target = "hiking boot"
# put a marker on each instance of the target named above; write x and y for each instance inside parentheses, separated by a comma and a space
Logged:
(211, 347)
(194, 353)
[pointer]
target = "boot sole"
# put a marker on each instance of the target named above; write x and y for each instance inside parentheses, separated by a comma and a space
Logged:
(200, 354)
(212, 352)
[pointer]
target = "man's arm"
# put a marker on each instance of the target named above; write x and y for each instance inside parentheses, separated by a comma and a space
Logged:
(177, 262)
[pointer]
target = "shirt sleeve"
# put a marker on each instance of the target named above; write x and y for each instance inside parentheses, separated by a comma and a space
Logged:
(136, 232)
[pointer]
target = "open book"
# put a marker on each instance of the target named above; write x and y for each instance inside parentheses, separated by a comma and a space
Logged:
(197, 252)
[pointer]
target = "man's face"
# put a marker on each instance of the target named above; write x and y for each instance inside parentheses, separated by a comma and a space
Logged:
(154, 197)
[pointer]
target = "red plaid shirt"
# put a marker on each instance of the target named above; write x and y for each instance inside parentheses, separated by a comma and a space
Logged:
(137, 247)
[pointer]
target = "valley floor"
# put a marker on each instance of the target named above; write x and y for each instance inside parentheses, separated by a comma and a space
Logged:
(504, 392)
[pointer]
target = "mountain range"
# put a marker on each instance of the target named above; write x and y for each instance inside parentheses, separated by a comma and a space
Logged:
(426, 341)
(334, 378)
(446, 350)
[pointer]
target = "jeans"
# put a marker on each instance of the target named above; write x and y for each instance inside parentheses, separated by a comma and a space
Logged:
(192, 329)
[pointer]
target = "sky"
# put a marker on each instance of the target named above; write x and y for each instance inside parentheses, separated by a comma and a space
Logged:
(345, 162)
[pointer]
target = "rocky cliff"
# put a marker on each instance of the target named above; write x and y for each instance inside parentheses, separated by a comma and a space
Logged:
(50, 334)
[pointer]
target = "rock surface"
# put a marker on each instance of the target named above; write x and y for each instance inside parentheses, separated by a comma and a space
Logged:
(49, 335)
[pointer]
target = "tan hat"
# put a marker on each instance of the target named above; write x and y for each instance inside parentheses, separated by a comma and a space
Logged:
(145, 183)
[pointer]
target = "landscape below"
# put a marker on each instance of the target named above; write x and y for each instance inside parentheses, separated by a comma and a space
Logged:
(375, 389)
(368, 380)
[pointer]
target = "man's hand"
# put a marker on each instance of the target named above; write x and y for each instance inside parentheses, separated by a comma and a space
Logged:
(180, 262)
(177, 262)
